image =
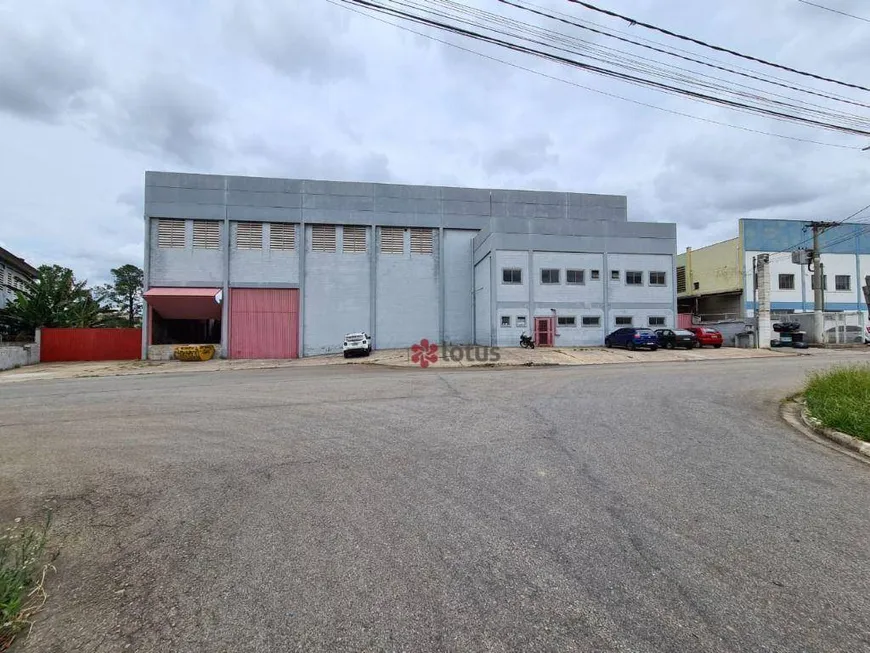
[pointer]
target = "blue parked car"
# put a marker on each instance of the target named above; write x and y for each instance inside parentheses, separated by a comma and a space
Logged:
(633, 338)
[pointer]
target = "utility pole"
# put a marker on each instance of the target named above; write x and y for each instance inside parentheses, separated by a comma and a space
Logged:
(818, 295)
(763, 332)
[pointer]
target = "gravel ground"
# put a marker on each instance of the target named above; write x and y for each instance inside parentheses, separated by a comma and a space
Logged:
(656, 507)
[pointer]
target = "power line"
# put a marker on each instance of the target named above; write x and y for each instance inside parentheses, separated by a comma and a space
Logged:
(672, 48)
(343, 5)
(774, 81)
(690, 39)
(627, 60)
(836, 11)
(608, 72)
(855, 234)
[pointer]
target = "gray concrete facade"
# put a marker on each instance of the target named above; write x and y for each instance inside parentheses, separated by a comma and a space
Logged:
(399, 297)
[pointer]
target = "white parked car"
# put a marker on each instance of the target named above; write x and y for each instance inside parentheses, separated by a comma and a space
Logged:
(357, 343)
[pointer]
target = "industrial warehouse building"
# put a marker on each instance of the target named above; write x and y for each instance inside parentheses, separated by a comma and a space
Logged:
(278, 268)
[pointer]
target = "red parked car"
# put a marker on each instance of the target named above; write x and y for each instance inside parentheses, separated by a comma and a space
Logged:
(707, 336)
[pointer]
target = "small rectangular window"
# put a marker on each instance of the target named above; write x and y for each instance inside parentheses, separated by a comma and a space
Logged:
(633, 278)
(392, 240)
(521, 321)
(421, 241)
(623, 320)
(614, 275)
(206, 234)
(824, 282)
(550, 275)
(170, 233)
(786, 282)
(681, 279)
(566, 321)
(282, 236)
(323, 238)
(353, 239)
(249, 235)
(843, 282)
(658, 279)
(512, 275)
(656, 321)
(575, 276)
(505, 320)
(591, 321)
(595, 275)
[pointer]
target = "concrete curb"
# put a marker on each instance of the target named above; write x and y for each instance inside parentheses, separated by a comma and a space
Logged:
(794, 413)
(853, 443)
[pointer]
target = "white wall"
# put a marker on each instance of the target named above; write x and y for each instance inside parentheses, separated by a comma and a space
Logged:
(458, 317)
(337, 296)
(620, 292)
(802, 299)
(508, 292)
(510, 336)
(12, 356)
(640, 318)
(591, 291)
(482, 298)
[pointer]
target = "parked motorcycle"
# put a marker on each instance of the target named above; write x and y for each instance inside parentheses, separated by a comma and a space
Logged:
(526, 342)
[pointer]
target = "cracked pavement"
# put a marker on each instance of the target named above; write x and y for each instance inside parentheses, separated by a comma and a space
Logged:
(659, 507)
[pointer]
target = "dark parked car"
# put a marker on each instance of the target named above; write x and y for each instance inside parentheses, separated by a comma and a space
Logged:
(670, 338)
(632, 338)
(707, 336)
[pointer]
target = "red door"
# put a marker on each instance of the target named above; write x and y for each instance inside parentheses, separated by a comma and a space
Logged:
(264, 323)
(545, 330)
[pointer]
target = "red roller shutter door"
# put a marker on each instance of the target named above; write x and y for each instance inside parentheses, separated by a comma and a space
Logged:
(264, 323)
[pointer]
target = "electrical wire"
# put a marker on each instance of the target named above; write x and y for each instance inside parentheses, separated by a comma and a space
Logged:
(674, 49)
(633, 22)
(840, 239)
(703, 96)
(694, 59)
(342, 4)
(836, 11)
(640, 64)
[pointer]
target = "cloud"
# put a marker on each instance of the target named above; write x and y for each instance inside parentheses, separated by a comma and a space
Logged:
(164, 113)
(305, 162)
(524, 155)
(295, 39)
(47, 69)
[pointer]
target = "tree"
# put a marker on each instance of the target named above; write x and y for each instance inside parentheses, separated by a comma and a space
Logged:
(54, 299)
(124, 295)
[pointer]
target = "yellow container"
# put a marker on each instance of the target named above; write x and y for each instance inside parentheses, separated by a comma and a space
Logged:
(194, 352)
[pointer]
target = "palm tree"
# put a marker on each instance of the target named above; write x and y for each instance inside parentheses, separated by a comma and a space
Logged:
(54, 299)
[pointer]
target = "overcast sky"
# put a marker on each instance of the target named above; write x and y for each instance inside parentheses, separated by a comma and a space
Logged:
(95, 92)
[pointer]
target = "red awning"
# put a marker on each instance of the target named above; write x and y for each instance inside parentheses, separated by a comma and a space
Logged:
(186, 303)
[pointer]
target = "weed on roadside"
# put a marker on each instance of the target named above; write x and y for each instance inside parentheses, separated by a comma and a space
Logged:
(24, 563)
(840, 398)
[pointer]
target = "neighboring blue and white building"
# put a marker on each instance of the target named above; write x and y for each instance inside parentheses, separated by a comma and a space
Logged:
(272, 268)
(845, 257)
(717, 281)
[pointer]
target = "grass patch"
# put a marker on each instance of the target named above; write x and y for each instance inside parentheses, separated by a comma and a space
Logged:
(23, 565)
(840, 398)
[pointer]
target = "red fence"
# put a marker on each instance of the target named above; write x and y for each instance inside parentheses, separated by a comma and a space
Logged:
(684, 320)
(90, 345)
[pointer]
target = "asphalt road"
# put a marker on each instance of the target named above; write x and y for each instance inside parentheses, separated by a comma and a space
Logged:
(662, 507)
